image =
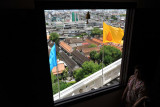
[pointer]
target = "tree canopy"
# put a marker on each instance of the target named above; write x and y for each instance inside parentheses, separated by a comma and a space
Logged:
(54, 37)
(88, 68)
(114, 17)
(93, 55)
(92, 46)
(62, 84)
(111, 54)
(96, 31)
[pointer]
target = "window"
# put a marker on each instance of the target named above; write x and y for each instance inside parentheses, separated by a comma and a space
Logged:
(79, 48)
(84, 62)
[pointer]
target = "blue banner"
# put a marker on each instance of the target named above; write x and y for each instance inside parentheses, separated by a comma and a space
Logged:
(53, 58)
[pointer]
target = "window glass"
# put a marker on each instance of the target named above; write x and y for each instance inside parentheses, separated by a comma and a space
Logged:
(85, 49)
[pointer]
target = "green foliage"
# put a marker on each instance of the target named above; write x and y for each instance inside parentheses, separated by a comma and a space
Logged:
(111, 54)
(78, 74)
(58, 55)
(122, 14)
(46, 23)
(107, 17)
(95, 56)
(114, 17)
(92, 55)
(53, 78)
(63, 85)
(92, 46)
(88, 68)
(71, 83)
(54, 37)
(81, 35)
(65, 74)
(96, 31)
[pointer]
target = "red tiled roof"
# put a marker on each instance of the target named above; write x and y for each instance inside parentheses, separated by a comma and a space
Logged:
(91, 42)
(82, 47)
(116, 45)
(73, 40)
(60, 69)
(85, 43)
(87, 50)
(66, 47)
(98, 41)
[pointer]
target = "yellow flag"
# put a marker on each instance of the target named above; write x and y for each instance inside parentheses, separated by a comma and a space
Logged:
(112, 34)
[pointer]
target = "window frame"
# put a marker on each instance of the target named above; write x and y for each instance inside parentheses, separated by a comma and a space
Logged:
(130, 7)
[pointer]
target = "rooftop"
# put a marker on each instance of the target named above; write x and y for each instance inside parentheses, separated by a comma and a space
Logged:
(81, 47)
(70, 63)
(60, 69)
(88, 50)
(73, 40)
(78, 57)
(66, 47)
(91, 42)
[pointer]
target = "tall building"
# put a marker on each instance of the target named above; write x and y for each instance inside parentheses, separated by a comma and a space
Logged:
(74, 16)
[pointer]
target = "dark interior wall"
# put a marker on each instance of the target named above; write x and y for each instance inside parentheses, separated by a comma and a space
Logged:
(111, 99)
(24, 67)
(17, 4)
(145, 49)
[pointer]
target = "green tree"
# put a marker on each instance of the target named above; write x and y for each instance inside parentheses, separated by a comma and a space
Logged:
(63, 85)
(96, 31)
(93, 55)
(78, 74)
(111, 54)
(53, 78)
(65, 74)
(92, 46)
(114, 17)
(82, 34)
(97, 58)
(88, 68)
(54, 37)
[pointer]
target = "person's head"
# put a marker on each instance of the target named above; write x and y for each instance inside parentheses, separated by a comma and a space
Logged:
(138, 71)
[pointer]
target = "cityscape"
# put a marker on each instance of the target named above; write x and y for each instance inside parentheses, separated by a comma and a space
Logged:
(78, 35)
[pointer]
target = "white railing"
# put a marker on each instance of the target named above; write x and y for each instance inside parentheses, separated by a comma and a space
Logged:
(110, 72)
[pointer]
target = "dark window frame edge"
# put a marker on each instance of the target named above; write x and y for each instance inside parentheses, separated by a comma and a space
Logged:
(86, 95)
(127, 45)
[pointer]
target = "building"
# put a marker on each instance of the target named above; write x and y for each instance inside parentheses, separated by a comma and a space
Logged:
(71, 64)
(78, 57)
(65, 47)
(86, 51)
(73, 40)
(79, 48)
(75, 17)
(90, 41)
(60, 67)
